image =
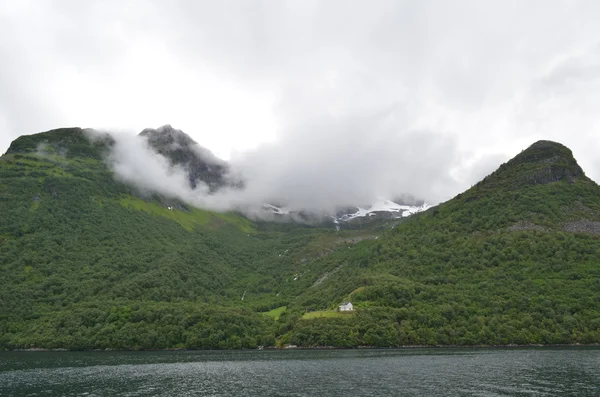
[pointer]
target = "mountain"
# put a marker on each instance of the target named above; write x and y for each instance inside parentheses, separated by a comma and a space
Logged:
(69, 143)
(513, 260)
(200, 163)
(85, 263)
(202, 166)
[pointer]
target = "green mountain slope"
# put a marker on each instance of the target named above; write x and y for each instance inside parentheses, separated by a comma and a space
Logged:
(513, 260)
(87, 263)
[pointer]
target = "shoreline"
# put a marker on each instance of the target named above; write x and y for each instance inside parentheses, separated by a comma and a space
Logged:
(274, 348)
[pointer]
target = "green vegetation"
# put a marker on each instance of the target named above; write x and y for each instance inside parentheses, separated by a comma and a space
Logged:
(326, 314)
(276, 313)
(499, 264)
(86, 263)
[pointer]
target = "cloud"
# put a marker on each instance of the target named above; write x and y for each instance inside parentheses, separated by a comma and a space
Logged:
(134, 162)
(319, 102)
(334, 167)
(332, 162)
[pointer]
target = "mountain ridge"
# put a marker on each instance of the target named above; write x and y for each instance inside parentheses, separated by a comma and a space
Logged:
(87, 264)
(543, 162)
(545, 169)
(202, 167)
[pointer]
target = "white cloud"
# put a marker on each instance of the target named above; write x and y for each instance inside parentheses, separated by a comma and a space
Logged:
(339, 100)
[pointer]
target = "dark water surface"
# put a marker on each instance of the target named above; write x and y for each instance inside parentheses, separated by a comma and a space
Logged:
(403, 372)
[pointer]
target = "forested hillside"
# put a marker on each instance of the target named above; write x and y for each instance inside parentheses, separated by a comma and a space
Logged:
(513, 260)
(87, 262)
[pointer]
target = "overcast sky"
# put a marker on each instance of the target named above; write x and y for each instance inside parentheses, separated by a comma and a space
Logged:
(330, 97)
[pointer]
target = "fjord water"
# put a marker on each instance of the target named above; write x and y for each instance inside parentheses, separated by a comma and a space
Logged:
(402, 372)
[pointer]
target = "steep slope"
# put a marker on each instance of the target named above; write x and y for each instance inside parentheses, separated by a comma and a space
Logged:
(513, 260)
(541, 188)
(76, 255)
(87, 264)
(84, 263)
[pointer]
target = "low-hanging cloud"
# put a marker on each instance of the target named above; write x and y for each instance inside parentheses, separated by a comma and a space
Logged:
(329, 164)
(134, 162)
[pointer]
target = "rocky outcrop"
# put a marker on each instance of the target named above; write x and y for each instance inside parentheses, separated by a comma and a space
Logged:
(582, 226)
(524, 225)
(542, 163)
(200, 163)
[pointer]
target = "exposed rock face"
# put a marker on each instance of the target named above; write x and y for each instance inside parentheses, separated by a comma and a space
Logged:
(201, 164)
(582, 226)
(553, 163)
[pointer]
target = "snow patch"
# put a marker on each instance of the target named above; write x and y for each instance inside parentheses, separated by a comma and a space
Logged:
(386, 206)
(381, 206)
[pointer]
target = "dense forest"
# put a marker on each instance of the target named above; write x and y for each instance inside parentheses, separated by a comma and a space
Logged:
(87, 262)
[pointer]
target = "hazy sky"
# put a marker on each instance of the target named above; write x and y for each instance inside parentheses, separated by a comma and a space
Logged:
(327, 97)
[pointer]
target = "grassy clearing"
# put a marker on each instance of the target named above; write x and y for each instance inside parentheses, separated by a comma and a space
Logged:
(34, 164)
(327, 314)
(356, 291)
(34, 206)
(242, 223)
(275, 313)
(187, 219)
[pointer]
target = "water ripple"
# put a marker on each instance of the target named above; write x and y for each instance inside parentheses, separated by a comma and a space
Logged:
(421, 372)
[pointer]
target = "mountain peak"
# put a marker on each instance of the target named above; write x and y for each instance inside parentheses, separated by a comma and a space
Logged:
(547, 152)
(69, 142)
(202, 165)
(541, 163)
(167, 135)
(543, 186)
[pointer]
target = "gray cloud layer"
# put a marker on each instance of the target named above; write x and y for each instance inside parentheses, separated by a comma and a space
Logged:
(320, 176)
(368, 98)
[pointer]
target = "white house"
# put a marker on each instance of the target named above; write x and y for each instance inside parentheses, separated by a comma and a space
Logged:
(346, 307)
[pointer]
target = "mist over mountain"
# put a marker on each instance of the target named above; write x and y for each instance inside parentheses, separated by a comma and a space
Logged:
(319, 177)
(200, 163)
